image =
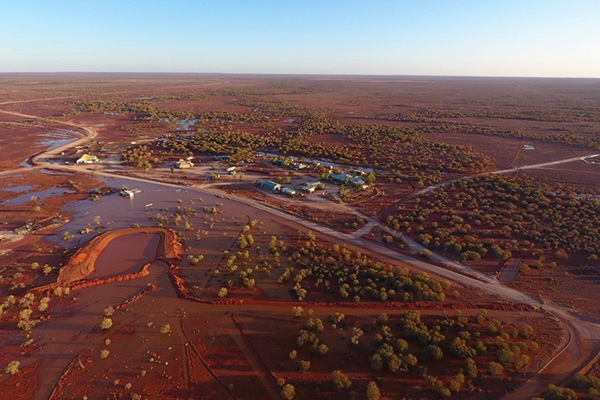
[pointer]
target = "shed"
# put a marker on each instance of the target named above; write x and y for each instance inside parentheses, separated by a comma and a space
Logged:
(269, 185)
(289, 191)
(127, 193)
(182, 164)
(87, 159)
(341, 177)
(299, 165)
(307, 187)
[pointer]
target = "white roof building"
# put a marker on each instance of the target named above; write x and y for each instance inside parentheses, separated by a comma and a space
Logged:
(181, 164)
(87, 159)
(288, 191)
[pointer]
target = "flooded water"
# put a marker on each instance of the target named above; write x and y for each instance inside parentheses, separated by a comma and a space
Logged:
(52, 140)
(50, 172)
(126, 254)
(41, 196)
(18, 189)
(115, 211)
(185, 124)
(25, 163)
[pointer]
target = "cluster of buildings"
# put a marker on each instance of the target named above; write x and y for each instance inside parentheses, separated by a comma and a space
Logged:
(274, 186)
(291, 164)
(355, 180)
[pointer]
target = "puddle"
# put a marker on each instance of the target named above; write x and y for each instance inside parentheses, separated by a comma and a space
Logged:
(18, 189)
(52, 140)
(41, 195)
(49, 172)
(185, 124)
(25, 163)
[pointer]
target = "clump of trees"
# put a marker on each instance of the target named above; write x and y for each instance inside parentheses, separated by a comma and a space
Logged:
(12, 367)
(498, 217)
(373, 391)
(560, 393)
(413, 342)
(400, 151)
(353, 276)
(589, 383)
(288, 391)
(165, 329)
(142, 157)
(106, 323)
(340, 380)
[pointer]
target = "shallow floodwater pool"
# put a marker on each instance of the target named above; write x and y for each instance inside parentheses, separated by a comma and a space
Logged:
(18, 189)
(41, 196)
(126, 255)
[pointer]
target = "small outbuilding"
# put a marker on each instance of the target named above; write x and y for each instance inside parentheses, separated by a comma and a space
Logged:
(289, 191)
(127, 193)
(87, 159)
(182, 164)
(270, 185)
(309, 188)
(298, 165)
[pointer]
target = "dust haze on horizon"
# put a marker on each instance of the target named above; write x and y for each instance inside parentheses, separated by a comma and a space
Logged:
(531, 38)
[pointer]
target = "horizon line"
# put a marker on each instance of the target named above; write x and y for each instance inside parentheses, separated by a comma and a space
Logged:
(297, 74)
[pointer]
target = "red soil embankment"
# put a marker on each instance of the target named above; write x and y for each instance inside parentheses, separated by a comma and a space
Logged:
(83, 262)
(183, 292)
(136, 297)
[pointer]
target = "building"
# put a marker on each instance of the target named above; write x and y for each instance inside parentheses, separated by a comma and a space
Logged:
(182, 164)
(341, 177)
(309, 187)
(298, 165)
(289, 191)
(282, 162)
(269, 185)
(87, 159)
(129, 193)
(357, 180)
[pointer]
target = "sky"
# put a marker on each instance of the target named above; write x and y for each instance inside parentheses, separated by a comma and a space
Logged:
(556, 38)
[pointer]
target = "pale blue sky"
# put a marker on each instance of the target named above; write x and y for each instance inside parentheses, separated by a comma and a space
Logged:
(423, 37)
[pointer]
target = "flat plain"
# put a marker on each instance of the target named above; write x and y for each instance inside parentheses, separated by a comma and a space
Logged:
(190, 236)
